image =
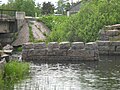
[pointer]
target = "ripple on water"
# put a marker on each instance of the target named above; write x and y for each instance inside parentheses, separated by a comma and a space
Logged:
(101, 75)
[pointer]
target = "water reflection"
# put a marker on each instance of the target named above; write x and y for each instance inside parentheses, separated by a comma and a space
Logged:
(99, 75)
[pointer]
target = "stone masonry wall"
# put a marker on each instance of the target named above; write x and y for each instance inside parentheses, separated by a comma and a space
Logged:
(60, 51)
(110, 33)
(109, 47)
(109, 43)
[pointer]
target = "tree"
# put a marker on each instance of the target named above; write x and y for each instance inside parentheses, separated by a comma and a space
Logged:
(38, 9)
(28, 6)
(47, 8)
(63, 5)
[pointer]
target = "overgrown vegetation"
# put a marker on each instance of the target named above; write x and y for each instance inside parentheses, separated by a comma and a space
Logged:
(31, 37)
(85, 25)
(14, 71)
(1, 80)
(55, 24)
(28, 6)
(18, 49)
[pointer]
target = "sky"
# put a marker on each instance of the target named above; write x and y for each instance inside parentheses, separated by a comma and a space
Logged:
(41, 1)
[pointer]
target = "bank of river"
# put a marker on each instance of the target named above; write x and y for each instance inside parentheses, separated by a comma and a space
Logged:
(99, 75)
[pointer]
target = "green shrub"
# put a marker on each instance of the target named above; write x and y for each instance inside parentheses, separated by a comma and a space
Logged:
(85, 25)
(47, 20)
(18, 49)
(15, 71)
(55, 24)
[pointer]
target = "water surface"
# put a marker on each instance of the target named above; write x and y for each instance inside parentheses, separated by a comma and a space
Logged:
(98, 75)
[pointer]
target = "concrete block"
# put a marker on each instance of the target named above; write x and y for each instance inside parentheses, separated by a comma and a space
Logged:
(20, 15)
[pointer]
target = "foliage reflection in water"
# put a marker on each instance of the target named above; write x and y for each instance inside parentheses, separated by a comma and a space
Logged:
(99, 75)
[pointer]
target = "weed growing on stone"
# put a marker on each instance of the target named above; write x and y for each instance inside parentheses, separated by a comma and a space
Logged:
(31, 37)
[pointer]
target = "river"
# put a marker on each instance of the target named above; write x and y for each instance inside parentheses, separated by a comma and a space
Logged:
(98, 75)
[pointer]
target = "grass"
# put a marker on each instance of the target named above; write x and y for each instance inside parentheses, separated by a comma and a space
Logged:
(1, 80)
(31, 37)
(18, 49)
(14, 72)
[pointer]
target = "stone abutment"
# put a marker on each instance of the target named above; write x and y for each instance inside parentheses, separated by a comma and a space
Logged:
(60, 51)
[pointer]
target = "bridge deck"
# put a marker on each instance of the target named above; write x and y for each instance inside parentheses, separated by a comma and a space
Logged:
(7, 20)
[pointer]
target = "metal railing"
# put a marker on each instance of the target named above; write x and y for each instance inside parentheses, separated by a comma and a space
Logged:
(7, 14)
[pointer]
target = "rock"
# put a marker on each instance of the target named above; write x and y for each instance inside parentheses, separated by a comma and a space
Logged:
(6, 57)
(103, 43)
(103, 48)
(102, 32)
(41, 45)
(111, 27)
(112, 32)
(91, 46)
(79, 53)
(8, 51)
(40, 52)
(0, 46)
(65, 45)
(8, 47)
(114, 38)
(53, 45)
(2, 65)
(115, 43)
(77, 45)
(28, 46)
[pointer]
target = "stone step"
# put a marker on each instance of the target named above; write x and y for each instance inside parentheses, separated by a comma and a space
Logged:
(113, 32)
(112, 27)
